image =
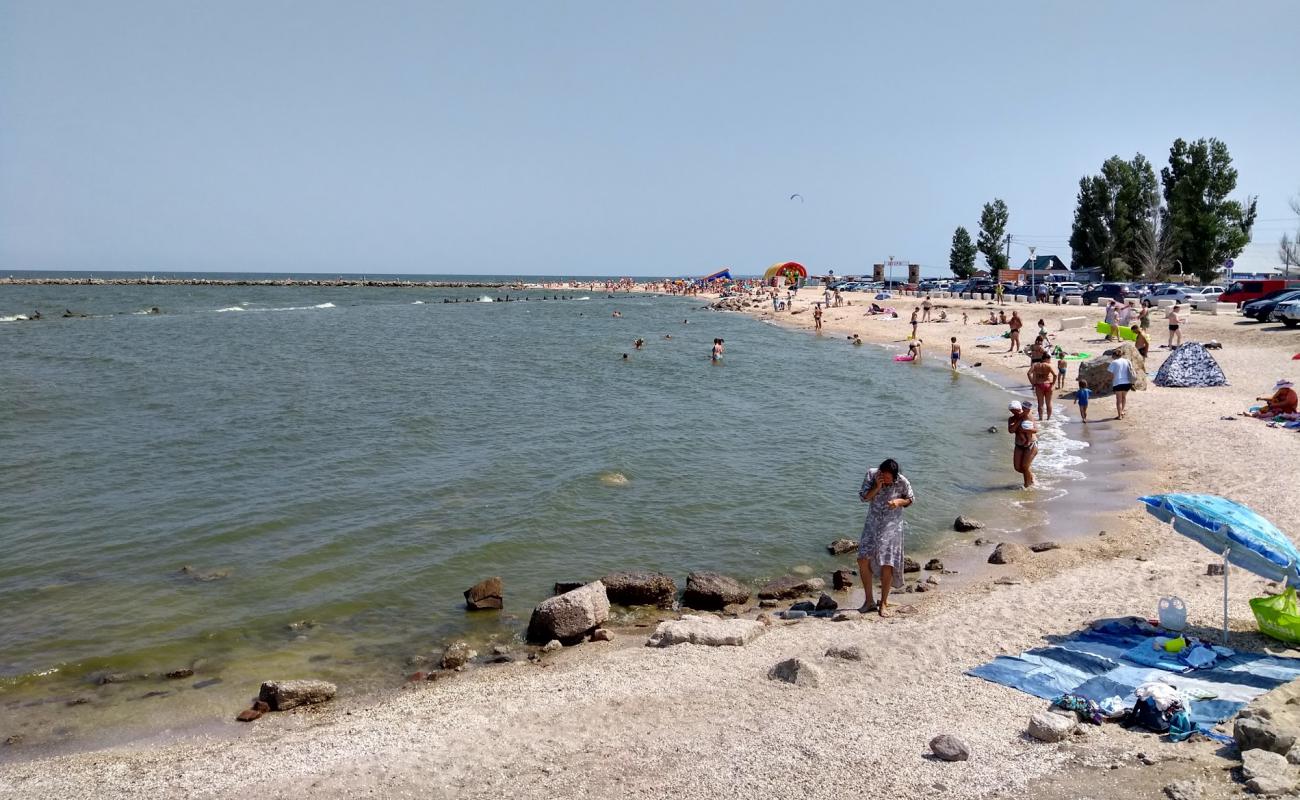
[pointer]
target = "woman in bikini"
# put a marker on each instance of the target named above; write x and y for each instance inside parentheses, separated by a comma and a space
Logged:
(1042, 377)
(1026, 433)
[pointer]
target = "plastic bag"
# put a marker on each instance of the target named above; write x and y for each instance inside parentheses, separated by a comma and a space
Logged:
(1278, 616)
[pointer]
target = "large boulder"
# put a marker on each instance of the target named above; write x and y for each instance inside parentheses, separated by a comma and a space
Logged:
(484, 595)
(640, 589)
(791, 586)
(1266, 772)
(284, 695)
(706, 631)
(796, 671)
(963, 524)
(1008, 553)
(570, 615)
(1259, 733)
(1097, 373)
(709, 591)
(1048, 727)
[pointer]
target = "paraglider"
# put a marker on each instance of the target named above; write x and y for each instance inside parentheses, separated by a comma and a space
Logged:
(793, 196)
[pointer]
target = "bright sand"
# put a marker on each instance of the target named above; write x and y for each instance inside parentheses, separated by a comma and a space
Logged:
(621, 720)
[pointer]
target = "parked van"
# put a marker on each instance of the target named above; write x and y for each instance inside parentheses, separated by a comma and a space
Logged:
(1245, 291)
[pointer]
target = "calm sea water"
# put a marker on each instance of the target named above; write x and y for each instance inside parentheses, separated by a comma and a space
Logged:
(355, 458)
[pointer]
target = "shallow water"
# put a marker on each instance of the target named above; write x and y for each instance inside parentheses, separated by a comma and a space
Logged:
(357, 457)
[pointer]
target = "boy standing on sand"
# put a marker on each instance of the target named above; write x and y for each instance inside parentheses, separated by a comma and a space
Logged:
(956, 353)
(1081, 398)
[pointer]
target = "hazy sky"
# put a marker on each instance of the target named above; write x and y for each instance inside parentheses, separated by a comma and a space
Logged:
(607, 138)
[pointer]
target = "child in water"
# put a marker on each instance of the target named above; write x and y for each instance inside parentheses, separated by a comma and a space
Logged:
(956, 353)
(1081, 398)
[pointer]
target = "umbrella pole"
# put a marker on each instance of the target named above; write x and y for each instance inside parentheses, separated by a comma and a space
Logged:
(1225, 598)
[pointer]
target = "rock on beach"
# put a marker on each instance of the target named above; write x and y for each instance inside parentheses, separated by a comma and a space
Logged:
(570, 615)
(947, 747)
(842, 579)
(964, 524)
(1048, 727)
(797, 671)
(791, 586)
(284, 695)
(708, 631)
(1008, 553)
(709, 591)
(640, 589)
(841, 546)
(1097, 373)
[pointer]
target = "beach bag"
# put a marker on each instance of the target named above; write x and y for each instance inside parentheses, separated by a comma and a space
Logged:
(1172, 612)
(1278, 615)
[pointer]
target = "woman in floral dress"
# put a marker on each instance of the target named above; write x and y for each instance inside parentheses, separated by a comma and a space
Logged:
(880, 551)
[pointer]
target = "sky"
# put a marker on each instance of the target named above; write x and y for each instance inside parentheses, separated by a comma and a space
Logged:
(598, 138)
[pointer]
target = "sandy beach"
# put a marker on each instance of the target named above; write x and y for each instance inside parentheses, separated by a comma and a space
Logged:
(619, 719)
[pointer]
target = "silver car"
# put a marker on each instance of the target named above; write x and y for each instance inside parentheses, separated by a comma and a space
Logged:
(1287, 313)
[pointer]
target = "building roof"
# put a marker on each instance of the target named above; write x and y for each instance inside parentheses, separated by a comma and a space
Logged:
(1042, 263)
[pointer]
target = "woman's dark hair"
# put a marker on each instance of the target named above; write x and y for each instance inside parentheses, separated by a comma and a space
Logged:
(889, 465)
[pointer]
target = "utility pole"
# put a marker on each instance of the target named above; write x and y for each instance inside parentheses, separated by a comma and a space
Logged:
(1008, 254)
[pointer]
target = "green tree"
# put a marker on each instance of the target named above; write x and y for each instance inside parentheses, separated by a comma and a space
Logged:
(961, 259)
(1111, 215)
(993, 229)
(1090, 238)
(1208, 228)
(1288, 249)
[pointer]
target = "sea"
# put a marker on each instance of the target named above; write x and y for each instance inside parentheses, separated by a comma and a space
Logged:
(262, 482)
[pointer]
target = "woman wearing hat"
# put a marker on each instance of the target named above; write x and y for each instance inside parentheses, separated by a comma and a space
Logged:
(1026, 433)
(1283, 401)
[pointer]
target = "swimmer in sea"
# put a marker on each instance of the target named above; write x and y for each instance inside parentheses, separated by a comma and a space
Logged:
(717, 350)
(639, 343)
(625, 356)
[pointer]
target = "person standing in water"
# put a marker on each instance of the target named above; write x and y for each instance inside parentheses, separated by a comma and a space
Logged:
(817, 316)
(880, 550)
(1026, 433)
(1043, 378)
(717, 351)
(955, 354)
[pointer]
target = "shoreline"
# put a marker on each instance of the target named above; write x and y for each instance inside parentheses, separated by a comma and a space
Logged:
(964, 565)
(642, 706)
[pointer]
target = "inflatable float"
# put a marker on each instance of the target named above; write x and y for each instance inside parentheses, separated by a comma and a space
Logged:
(1126, 334)
(905, 358)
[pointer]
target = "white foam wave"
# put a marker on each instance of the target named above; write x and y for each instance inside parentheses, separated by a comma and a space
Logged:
(1058, 454)
(418, 303)
(14, 318)
(324, 305)
(584, 298)
(231, 308)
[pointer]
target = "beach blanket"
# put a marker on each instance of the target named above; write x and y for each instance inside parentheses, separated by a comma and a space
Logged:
(1098, 664)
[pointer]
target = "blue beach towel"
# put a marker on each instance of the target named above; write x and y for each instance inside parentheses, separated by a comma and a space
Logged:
(1115, 657)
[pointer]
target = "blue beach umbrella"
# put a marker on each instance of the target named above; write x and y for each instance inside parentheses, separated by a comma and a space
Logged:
(1243, 537)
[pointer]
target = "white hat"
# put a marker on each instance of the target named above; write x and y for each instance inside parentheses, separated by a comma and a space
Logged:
(1013, 405)
(1283, 384)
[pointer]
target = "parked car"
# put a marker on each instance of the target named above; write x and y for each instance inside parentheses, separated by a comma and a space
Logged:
(1260, 310)
(1245, 291)
(1287, 313)
(1119, 292)
(1165, 292)
(1068, 289)
(1201, 294)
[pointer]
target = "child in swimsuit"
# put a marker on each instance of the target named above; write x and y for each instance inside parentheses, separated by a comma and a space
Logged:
(1081, 398)
(956, 353)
